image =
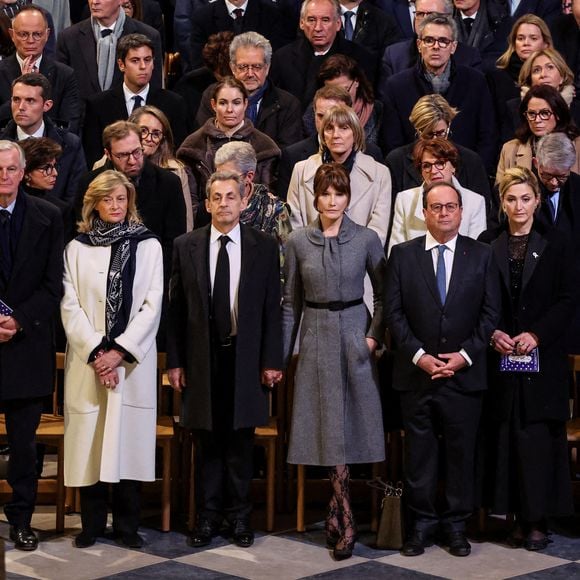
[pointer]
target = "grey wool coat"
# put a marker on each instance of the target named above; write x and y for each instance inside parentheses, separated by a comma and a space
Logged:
(336, 417)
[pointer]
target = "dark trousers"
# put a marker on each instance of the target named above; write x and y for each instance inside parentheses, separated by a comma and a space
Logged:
(225, 453)
(22, 419)
(126, 507)
(447, 421)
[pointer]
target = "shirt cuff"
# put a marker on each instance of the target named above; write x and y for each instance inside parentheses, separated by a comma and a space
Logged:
(466, 357)
(418, 355)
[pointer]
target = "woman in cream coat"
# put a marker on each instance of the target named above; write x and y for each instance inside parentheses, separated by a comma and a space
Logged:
(113, 286)
(437, 160)
(342, 139)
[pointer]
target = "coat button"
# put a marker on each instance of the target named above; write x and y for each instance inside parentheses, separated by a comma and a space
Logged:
(443, 340)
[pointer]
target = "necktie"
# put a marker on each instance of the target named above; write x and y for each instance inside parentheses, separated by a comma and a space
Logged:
(468, 22)
(348, 30)
(6, 257)
(553, 206)
(221, 293)
(105, 32)
(440, 274)
(238, 19)
(138, 102)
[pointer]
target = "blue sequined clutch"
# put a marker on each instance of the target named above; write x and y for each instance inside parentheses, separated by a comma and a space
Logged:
(520, 363)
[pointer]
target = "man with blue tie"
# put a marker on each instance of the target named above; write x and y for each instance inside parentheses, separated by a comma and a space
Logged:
(442, 305)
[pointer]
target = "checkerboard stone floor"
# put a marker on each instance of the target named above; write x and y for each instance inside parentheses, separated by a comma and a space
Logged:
(281, 556)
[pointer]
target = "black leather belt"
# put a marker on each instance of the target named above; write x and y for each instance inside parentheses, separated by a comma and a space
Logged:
(334, 306)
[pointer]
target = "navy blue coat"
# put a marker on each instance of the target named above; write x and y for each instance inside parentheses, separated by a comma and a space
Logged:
(475, 125)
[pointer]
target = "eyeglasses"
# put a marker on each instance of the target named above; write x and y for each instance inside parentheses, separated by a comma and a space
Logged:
(244, 68)
(48, 169)
(441, 134)
(422, 14)
(561, 179)
(26, 35)
(544, 114)
(136, 154)
(154, 135)
(442, 42)
(439, 164)
(449, 207)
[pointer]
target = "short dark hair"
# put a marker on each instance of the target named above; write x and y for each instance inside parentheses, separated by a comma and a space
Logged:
(435, 184)
(331, 175)
(333, 93)
(132, 42)
(35, 80)
(119, 130)
(339, 65)
(39, 151)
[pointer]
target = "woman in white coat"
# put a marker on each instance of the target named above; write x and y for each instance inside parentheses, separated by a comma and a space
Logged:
(437, 160)
(342, 141)
(113, 286)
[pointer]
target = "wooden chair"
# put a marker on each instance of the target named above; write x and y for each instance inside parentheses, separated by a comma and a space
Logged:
(50, 432)
(573, 425)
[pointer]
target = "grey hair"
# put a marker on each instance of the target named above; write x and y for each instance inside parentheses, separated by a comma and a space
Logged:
(240, 153)
(556, 151)
(336, 4)
(254, 40)
(448, 6)
(225, 176)
(11, 146)
(440, 20)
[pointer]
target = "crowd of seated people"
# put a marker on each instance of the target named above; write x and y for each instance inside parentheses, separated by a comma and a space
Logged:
(446, 132)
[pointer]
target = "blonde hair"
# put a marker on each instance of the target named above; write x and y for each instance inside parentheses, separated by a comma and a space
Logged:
(99, 188)
(343, 115)
(525, 77)
(429, 110)
(516, 176)
(504, 60)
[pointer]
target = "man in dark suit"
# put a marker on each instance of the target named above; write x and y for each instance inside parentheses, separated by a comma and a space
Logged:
(29, 33)
(442, 304)
(547, 10)
(403, 55)
(135, 59)
(262, 16)
(566, 35)
(271, 110)
(464, 88)
(368, 26)
(402, 11)
(324, 98)
(30, 103)
(295, 66)
(89, 47)
(485, 25)
(223, 348)
(31, 268)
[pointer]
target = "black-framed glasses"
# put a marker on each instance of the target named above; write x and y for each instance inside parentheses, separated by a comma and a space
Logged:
(440, 134)
(450, 207)
(439, 164)
(48, 168)
(560, 178)
(155, 135)
(136, 154)
(442, 41)
(544, 114)
(244, 68)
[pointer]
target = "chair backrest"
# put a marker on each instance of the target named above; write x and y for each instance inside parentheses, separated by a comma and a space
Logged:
(58, 382)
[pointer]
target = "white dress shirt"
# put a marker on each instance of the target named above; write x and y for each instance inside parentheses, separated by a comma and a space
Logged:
(234, 248)
(21, 135)
(231, 7)
(36, 62)
(129, 102)
(352, 18)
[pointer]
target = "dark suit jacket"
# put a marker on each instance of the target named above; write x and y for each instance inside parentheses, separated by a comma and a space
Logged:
(66, 108)
(72, 164)
(159, 201)
(262, 16)
(547, 10)
(566, 37)
(303, 150)
(109, 106)
(403, 55)
(474, 127)
(399, 10)
(470, 173)
(76, 47)
(417, 319)
(259, 342)
(33, 291)
(547, 301)
(375, 29)
(295, 68)
(276, 116)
